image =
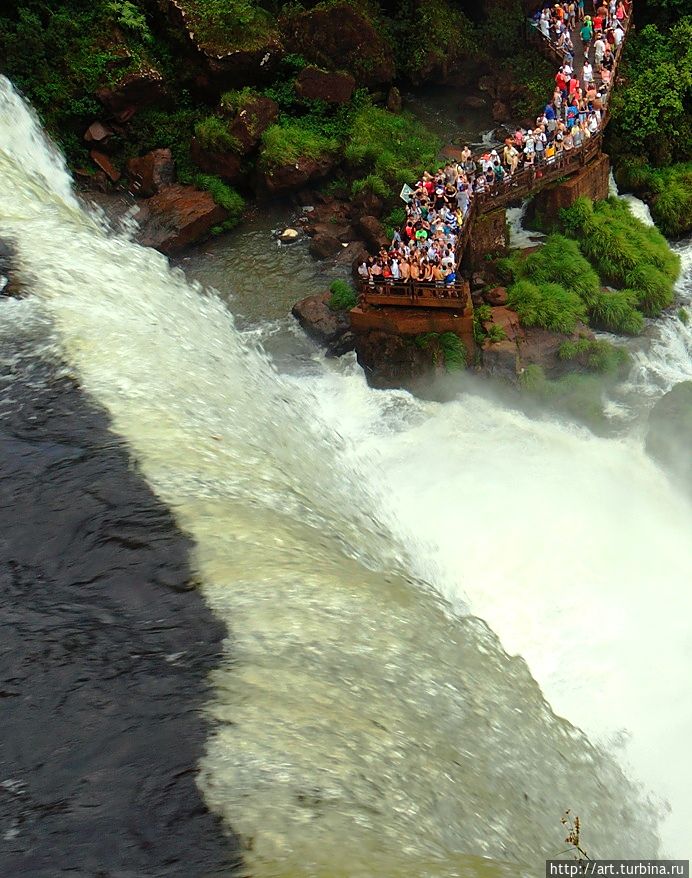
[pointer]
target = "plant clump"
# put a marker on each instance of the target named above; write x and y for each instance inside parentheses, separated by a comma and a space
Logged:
(343, 296)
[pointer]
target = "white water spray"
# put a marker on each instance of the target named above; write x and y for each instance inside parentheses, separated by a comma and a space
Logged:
(361, 724)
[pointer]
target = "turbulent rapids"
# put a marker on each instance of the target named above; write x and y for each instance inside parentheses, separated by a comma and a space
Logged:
(378, 712)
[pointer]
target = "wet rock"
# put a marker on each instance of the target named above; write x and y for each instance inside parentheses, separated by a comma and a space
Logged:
(496, 296)
(151, 172)
(280, 179)
(342, 345)
(366, 203)
(177, 216)
(394, 100)
(99, 133)
(227, 165)
(9, 285)
(323, 246)
(134, 92)
(106, 165)
(319, 321)
(501, 360)
(391, 361)
(373, 232)
(341, 37)
(315, 84)
(478, 281)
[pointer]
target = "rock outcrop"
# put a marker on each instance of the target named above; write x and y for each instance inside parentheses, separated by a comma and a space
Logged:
(315, 84)
(134, 92)
(176, 217)
(279, 179)
(341, 37)
(151, 172)
(325, 326)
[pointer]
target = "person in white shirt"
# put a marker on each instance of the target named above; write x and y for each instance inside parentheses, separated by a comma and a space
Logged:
(587, 73)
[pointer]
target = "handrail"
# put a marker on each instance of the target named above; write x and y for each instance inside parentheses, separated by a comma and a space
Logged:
(432, 294)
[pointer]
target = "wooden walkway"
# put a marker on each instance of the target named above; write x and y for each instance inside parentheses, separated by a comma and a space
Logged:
(514, 188)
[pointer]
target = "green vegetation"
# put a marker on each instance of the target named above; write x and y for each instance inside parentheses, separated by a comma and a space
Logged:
(668, 191)
(651, 111)
(214, 134)
(430, 35)
(393, 147)
(223, 195)
(627, 254)
(223, 25)
(290, 140)
(615, 311)
(236, 99)
(597, 355)
(549, 305)
(683, 316)
(343, 296)
(446, 348)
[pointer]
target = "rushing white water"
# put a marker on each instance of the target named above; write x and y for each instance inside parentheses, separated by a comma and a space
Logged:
(365, 724)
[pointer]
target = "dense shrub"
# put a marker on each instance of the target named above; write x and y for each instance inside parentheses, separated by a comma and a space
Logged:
(549, 305)
(560, 261)
(343, 296)
(289, 140)
(394, 147)
(616, 312)
(447, 349)
(667, 190)
(597, 355)
(227, 24)
(651, 111)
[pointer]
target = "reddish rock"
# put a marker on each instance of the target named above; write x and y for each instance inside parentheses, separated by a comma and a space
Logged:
(322, 85)
(98, 133)
(178, 216)
(106, 165)
(366, 203)
(285, 178)
(373, 232)
(151, 172)
(495, 297)
(452, 152)
(324, 245)
(226, 165)
(252, 121)
(340, 37)
(318, 319)
(134, 92)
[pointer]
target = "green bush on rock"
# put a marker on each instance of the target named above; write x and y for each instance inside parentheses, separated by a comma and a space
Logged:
(549, 305)
(213, 134)
(289, 140)
(343, 296)
(225, 196)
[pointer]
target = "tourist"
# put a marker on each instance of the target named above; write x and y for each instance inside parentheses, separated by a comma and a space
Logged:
(586, 34)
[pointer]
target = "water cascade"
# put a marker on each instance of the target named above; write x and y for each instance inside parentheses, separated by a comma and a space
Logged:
(396, 575)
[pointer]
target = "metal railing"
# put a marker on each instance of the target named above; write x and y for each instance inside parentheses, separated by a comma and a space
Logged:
(432, 294)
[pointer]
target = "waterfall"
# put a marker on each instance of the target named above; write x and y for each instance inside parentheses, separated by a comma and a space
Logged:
(447, 623)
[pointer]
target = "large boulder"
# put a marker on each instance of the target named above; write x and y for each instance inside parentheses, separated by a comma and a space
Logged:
(669, 437)
(324, 245)
(280, 179)
(319, 321)
(390, 360)
(151, 172)
(373, 232)
(177, 216)
(495, 297)
(134, 92)
(315, 84)
(102, 161)
(227, 165)
(229, 58)
(341, 37)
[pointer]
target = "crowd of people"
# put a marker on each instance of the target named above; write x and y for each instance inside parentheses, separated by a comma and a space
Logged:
(424, 249)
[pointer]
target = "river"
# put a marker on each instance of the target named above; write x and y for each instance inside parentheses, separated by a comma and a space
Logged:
(447, 623)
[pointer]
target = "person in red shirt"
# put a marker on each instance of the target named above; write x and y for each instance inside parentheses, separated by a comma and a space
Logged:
(598, 23)
(561, 81)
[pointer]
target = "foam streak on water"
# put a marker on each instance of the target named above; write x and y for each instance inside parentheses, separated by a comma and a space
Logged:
(363, 725)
